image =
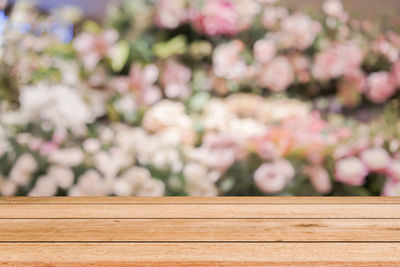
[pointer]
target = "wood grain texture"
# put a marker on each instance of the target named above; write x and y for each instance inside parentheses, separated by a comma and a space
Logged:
(204, 230)
(200, 231)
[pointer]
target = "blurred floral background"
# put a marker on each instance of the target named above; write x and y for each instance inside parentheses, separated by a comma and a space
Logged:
(199, 98)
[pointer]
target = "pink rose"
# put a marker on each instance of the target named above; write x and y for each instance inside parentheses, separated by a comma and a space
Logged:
(391, 189)
(94, 47)
(227, 61)
(276, 75)
(264, 50)
(141, 81)
(351, 171)
(301, 67)
(341, 59)
(169, 14)
(376, 159)
(383, 47)
(319, 178)
(380, 86)
(273, 177)
(221, 150)
(217, 17)
(393, 171)
(266, 149)
(48, 147)
(175, 79)
(272, 15)
(395, 73)
(301, 29)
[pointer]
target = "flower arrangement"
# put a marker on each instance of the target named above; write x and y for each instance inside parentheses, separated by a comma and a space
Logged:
(200, 98)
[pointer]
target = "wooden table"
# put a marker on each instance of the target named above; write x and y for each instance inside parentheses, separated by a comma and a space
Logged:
(199, 231)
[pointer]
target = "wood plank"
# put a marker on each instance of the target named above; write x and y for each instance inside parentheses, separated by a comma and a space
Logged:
(210, 254)
(193, 210)
(199, 200)
(203, 230)
(200, 231)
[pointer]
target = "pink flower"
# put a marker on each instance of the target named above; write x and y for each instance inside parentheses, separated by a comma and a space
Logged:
(227, 61)
(175, 79)
(276, 75)
(217, 17)
(94, 47)
(393, 171)
(385, 48)
(273, 177)
(141, 81)
(351, 171)
(301, 67)
(319, 178)
(358, 80)
(395, 73)
(301, 29)
(264, 50)
(221, 150)
(265, 148)
(169, 14)
(339, 60)
(380, 86)
(391, 189)
(48, 147)
(272, 15)
(376, 159)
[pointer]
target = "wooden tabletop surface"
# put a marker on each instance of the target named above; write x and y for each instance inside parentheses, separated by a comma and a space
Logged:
(242, 231)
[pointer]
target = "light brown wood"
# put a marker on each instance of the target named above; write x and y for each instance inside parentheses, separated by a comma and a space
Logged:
(200, 210)
(200, 231)
(210, 230)
(210, 253)
(199, 200)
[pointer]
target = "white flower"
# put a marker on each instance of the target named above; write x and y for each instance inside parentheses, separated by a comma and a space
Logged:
(126, 105)
(138, 181)
(69, 71)
(60, 105)
(7, 187)
(22, 169)
(89, 184)
(62, 176)
(168, 114)
(199, 181)
(111, 162)
(151, 188)
(333, 8)
(68, 157)
(216, 115)
(247, 128)
(45, 186)
(91, 145)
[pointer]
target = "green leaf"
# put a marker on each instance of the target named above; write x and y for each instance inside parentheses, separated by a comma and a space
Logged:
(120, 56)
(175, 46)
